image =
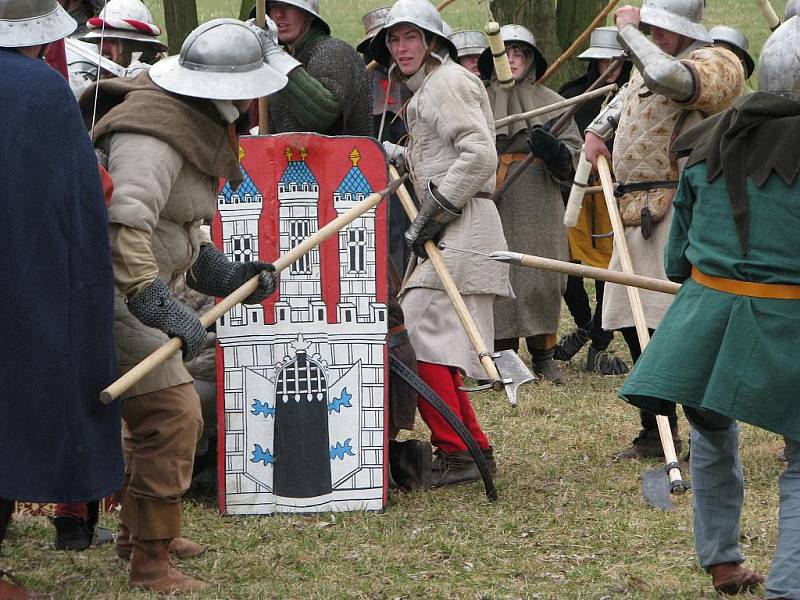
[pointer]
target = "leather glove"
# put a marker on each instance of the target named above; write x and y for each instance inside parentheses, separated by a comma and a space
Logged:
(213, 274)
(156, 307)
(275, 56)
(434, 215)
(547, 147)
(397, 156)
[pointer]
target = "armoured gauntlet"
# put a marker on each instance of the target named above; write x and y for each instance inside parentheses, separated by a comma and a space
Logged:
(397, 156)
(275, 56)
(213, 274)
(434, 215)
(156, 307)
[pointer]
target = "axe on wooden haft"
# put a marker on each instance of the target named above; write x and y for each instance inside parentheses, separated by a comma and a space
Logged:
(503, 371)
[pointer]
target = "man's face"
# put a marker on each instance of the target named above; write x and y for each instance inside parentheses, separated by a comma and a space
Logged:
(292, 22)
(407, 47)
(604, 63)
(470, 63)
(112, 49)
(667, 41)
(518, 60)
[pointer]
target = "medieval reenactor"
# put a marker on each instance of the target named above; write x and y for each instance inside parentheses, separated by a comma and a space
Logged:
(469, 45)
(329, 90)
(168, 136)
(59, 443)
(453, 165)
(532, 210)
(680, 79)
(734, 40)
(588, 243)
(127, 34)
(730, 331)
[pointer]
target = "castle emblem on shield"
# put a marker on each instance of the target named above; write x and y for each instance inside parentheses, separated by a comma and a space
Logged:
(303, 406)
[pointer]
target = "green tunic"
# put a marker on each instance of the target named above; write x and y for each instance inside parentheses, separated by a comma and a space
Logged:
(732, 354)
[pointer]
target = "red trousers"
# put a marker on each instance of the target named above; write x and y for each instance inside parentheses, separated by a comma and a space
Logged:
(445, 381)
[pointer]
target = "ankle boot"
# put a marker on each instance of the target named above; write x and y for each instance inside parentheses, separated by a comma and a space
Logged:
(410, 464)
(151, 570)
(648, 445)
(72, 533)
(545, 367)
(452, 468)
(600, 361)
(569, 345)
(180, 547)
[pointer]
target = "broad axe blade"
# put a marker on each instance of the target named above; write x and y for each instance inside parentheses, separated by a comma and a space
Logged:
(656, 489)
(513, 371)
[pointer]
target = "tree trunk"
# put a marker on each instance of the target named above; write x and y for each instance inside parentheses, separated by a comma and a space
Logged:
(180, 18)
(555, 25)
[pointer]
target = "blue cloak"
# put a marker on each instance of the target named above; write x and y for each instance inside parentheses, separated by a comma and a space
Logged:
(57, 441)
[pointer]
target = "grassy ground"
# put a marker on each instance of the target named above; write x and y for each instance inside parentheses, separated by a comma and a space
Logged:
(570, 523)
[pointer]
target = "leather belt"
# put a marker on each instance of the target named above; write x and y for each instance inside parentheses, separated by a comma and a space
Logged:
(751, 289)
(505, 162)
(487, 195)
(620, 189)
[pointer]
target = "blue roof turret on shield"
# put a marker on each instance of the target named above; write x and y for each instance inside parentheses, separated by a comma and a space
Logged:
(354, 186)
(297, 175)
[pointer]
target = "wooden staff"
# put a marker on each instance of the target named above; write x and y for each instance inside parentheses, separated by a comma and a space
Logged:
(664, 431)
(263, 107)
(773, 21)
(581, 39)
(580, 270)
(435, 256)
(124, 383)
(538, 112)
(555, 130)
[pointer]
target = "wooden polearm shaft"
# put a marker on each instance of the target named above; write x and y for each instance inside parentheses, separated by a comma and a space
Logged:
(124, 383)
(435, 256)
(586, 271)
(664, 431)
(598, 21)
(773, 21)
(538, 112)
(263, 106)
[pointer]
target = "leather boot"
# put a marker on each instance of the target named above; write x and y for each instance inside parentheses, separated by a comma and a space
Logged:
(452, 468)
(569, 345)
(13, 590)
(600, 361)
(72, 533)
(733, 578)
(180, 547)
(648, 445)
(151, 570)
(410, 464)
(545, 367)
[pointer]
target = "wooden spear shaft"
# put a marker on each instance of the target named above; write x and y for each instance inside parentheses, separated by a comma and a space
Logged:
(621, 243)
(538, 112)
(773, 21)
(124, 383)
(263, 107)
(579, 41)
(435, 256)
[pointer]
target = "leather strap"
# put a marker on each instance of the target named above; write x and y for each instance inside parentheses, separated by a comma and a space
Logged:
(620, 189)
(751, 289)
(486, 195)
(423, 389)
(504, 164)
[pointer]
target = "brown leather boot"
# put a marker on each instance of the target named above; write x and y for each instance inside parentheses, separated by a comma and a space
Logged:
(453, 468)
(648, 445)
(180, 547)
(733, 578)
(151, 570)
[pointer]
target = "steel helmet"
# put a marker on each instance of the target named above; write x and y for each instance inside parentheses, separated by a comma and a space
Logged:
(603, 45)
(33, 22)
(419, 13)
(511, 34)
(734, 37)
(222, 59)
(373, 21)
(684, 17)
(779, 64)
(309, 6)
(468, 43)
(125, 20)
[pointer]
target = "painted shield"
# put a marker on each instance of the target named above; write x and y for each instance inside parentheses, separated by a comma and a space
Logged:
(302, 396)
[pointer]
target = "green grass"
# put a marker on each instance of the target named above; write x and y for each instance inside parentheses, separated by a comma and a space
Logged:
(570, 523)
